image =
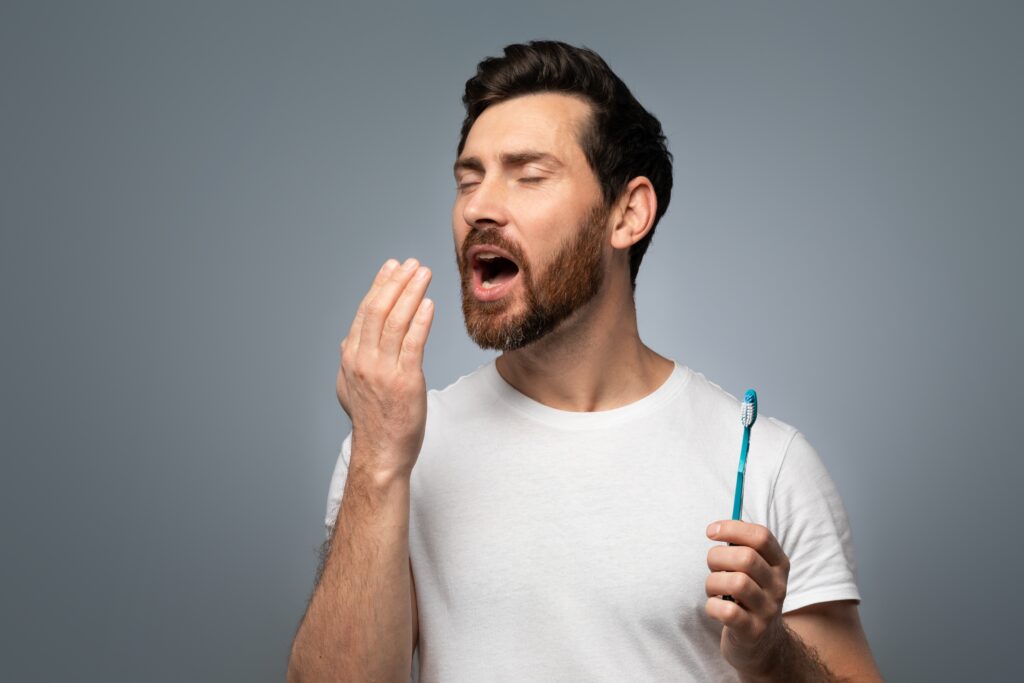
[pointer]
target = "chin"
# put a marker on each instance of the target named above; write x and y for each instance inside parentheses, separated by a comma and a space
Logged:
(488, 333)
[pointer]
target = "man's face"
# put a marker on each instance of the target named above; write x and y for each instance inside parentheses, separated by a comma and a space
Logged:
(525, 190)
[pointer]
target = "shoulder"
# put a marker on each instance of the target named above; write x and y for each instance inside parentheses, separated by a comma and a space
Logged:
(719, 411)
(467, 393)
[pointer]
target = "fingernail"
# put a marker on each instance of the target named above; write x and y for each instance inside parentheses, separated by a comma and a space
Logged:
(389, 265)
(421, 273)
(713, 530)
(409, 263)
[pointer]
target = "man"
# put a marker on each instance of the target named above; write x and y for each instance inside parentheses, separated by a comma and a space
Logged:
(555, 515)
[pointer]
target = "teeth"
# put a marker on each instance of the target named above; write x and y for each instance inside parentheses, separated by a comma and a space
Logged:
(487, 257)
(489, 284)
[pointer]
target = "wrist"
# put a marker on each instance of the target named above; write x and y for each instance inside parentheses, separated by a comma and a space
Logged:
(382, 466)
(380, 479)
(787, 658)
(769, 663)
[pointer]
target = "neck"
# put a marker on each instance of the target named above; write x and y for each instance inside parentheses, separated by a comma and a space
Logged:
(593, 361)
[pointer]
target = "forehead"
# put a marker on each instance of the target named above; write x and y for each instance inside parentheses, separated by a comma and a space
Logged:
(546, 122)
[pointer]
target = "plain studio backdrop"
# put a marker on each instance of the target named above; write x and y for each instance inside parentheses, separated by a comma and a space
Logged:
(196, 195)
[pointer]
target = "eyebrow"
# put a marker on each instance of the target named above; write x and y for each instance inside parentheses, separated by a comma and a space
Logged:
(517, 158)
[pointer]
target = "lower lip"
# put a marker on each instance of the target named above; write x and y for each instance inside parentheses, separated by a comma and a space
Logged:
(492, 293)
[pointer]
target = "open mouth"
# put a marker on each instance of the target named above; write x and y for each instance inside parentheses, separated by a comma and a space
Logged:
(493, 275)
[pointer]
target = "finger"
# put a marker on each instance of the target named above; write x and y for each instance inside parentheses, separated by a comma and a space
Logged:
(750, 535)
(738, 558)
(357, 322)
(397, 323)
(378, 309)
(411, 357)
(729, 613)
(741, 587)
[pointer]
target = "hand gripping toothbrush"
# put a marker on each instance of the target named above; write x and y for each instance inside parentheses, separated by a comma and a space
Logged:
(747, 416)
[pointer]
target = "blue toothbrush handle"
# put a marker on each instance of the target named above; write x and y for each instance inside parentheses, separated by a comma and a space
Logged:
(737, 498)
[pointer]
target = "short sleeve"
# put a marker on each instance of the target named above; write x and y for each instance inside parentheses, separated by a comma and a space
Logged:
(337, 487)
(809, 520)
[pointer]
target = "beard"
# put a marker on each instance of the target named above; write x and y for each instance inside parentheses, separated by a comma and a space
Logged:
(572, 279)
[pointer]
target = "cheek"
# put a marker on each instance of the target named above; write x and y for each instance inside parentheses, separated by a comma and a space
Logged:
(459, 232)
(542, 236)
(456, 221)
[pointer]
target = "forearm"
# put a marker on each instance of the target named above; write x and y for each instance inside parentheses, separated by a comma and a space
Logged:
(791, 661)
(358, 625)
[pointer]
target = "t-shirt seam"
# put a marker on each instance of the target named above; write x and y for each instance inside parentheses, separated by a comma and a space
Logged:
(848, 590)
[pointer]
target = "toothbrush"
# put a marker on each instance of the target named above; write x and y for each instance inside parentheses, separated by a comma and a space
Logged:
(747, 416)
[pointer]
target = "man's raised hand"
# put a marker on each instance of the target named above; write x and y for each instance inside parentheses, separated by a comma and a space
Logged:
(380, 378)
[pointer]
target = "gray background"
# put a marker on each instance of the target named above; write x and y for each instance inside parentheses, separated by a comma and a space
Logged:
(195, 197)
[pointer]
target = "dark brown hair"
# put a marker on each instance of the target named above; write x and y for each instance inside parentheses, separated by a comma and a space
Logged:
(621, 140)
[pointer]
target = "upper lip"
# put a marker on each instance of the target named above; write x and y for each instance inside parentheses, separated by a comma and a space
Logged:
(487, 249)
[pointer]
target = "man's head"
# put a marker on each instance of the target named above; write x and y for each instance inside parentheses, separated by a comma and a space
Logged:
(554, 149)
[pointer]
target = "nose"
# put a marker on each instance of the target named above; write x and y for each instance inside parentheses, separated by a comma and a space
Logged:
(485, 203)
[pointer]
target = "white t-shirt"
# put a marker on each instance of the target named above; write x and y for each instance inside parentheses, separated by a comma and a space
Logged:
(550, 545)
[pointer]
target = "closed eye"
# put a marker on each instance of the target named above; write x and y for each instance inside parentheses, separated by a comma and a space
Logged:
(534, 179)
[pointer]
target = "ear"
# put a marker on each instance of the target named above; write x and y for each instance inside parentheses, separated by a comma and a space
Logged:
(635, 213)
